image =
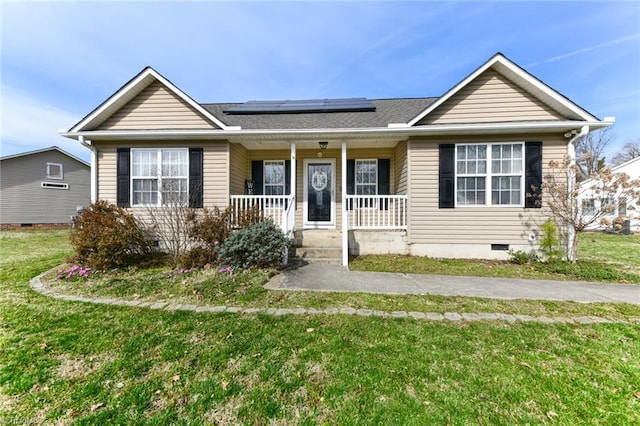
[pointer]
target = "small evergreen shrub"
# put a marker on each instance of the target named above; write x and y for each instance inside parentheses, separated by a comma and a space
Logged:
(260, 245)
(550, 242)
(105, 236)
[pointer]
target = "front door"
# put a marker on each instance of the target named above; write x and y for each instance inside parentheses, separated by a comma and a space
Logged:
(319, 191)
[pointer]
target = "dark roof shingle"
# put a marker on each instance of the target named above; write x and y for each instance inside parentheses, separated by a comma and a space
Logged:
(387, 111)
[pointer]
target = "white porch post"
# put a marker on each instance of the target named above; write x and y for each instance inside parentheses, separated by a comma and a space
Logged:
(345, 217)
(293, 170)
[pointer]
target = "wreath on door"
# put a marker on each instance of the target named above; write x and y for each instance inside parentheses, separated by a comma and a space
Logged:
(319, 180)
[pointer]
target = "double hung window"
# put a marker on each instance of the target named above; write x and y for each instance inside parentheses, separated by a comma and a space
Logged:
(274, 177)
(160, 176)
(366, 181)
(490, 174)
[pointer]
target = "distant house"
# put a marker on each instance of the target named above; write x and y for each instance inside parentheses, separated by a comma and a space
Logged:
(450, 176)
(592, 199)
(43, 187)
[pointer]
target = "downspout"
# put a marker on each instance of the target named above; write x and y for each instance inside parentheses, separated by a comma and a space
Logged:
(571, 180)
(94, 167)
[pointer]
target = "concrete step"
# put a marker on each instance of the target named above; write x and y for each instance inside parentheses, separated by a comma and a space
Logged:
(319, 238)
(322, 255)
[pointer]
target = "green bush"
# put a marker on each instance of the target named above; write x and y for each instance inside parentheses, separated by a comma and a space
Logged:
(106, 236)
(260, 245)
(550, 242)
(521, 257)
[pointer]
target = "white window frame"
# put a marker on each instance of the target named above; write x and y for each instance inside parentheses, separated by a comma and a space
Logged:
(366, 204)
(158, 175)
(490, 174)
(58, 176)
(266, 185)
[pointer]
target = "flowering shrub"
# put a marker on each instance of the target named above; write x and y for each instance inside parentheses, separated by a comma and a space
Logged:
(75, 271)
(226, 270)
(175, 272)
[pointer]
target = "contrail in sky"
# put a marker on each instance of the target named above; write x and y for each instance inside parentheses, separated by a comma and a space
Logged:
(586, 49)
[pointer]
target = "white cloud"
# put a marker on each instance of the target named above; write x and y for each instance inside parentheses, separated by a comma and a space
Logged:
(29, 124)
(586, 49)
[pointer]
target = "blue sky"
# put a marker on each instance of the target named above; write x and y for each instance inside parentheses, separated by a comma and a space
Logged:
(62, 59)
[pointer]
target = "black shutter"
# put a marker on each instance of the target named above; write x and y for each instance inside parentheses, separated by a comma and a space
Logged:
(196, 181)
(287, 177)
(384, 180)
(256, 176)
(351, 180)
(123, 174)
(446, 176)
(533, 174)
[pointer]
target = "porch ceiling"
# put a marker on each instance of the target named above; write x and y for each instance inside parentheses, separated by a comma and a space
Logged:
(255, 145)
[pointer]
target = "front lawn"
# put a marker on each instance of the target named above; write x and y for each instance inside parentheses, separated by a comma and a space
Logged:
(64, 362)
(603, 258)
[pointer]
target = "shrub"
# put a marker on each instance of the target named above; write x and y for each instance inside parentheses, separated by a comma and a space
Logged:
(521, 257)
(550, 242)
(261, 245)
(209, 229)
(197, 257)
(106, 236)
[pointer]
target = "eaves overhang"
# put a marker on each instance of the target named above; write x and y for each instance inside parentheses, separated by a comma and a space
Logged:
(336, 134)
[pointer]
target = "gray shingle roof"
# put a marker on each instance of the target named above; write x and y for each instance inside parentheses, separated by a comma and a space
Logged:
(387, 111)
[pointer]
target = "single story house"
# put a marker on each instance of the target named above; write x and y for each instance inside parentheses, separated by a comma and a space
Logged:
(43, 187)
(450, 176)
(592, 199)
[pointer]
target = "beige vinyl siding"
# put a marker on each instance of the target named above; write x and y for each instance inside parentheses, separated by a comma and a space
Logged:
(156, 107)
(401, 168)
(302, 154)
(490, 98)
(215, 170)
(24, 201)
(237, 168)
(468, 225)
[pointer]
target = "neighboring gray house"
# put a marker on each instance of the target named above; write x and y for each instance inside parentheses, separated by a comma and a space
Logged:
(43, 187)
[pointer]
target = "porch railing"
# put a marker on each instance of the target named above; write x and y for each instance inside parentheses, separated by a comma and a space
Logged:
(278, 208)
(377, 211)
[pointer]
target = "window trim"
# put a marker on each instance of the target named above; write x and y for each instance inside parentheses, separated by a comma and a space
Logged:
(158, 177)
(488, 175)
(281, 163)
(58, 176)
(355, 176)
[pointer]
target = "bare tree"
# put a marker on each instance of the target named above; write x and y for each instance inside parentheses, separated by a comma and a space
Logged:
(590, 152)
(168, 222)
(629, 151)
(562, 199)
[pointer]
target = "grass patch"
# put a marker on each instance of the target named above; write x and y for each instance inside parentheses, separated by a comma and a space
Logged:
(604, 258)
(80, 363)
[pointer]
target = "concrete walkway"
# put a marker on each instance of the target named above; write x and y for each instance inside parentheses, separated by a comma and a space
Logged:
(315, 274)
(339, 278)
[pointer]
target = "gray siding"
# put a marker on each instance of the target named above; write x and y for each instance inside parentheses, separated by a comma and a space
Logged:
(24, 201)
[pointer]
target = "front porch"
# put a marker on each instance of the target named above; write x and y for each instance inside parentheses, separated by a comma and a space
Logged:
(345, 188)
(370, 224)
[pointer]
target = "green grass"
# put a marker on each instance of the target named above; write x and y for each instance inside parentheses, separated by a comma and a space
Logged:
(83, 364)
(603, 258)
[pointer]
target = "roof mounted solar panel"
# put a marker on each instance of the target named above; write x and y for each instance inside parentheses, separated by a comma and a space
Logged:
(302, 106)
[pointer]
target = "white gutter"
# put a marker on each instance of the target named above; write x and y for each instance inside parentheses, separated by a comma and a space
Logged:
(571, 178)
(94, 167)
(482, 128)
